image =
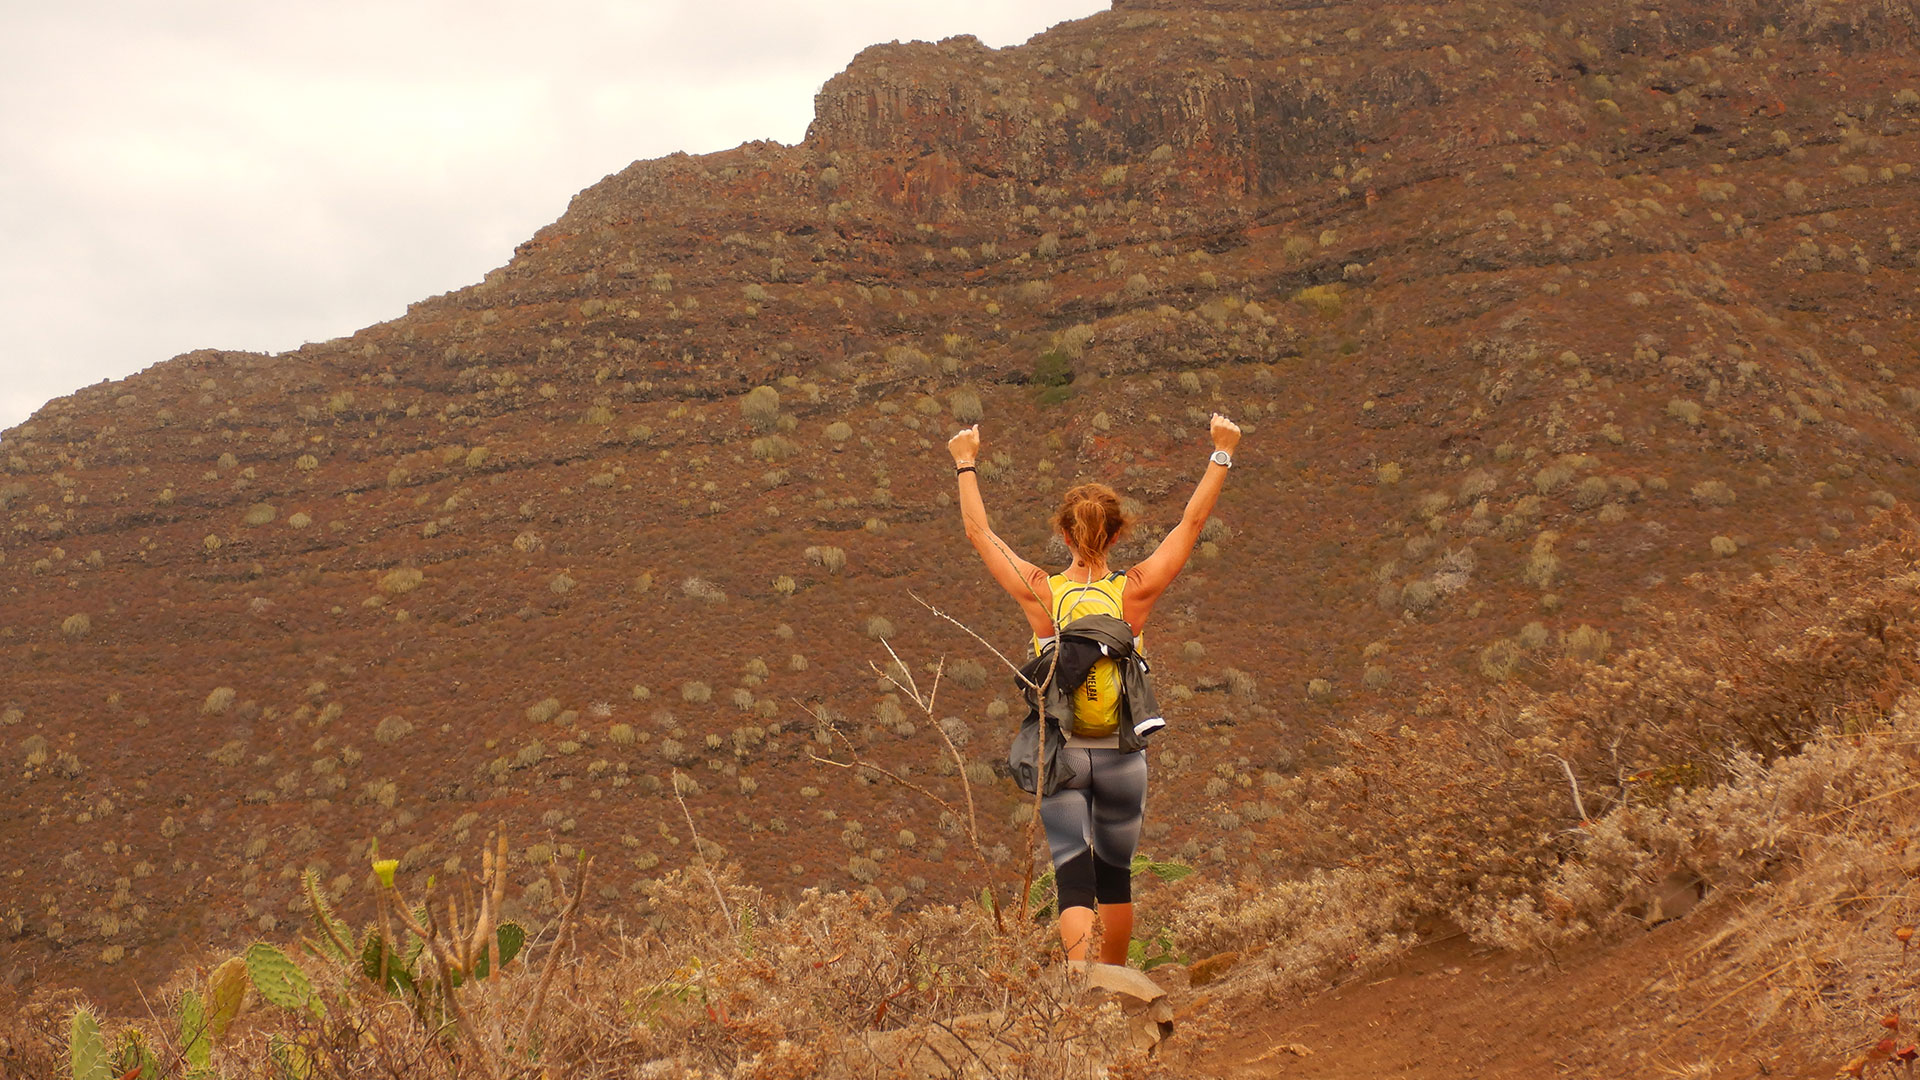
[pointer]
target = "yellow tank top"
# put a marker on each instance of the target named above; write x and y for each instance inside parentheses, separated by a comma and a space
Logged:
(1096, 705)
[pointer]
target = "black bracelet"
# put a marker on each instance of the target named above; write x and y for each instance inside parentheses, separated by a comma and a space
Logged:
(964, 468)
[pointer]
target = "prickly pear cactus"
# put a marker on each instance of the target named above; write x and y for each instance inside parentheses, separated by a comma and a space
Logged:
(86, 1050)
(509, 937)
(226, 993)
(196, 1043)
(278, 979)
(290, 1059)
(133, 1058)
(399, 978)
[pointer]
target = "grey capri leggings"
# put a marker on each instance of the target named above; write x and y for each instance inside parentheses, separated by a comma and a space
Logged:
(1093, 826)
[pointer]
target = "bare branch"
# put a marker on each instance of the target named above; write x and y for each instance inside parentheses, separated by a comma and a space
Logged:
(1011, 666)
(972, 824)
(912, 687)
(1572, 783)
(699, 854)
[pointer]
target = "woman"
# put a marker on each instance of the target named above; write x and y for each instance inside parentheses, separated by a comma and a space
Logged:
(1093, 821)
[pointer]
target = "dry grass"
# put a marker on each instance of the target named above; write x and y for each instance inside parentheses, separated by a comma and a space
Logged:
(1759, 749)
(833, 985)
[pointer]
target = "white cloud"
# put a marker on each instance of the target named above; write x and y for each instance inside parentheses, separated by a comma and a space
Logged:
(220, 173)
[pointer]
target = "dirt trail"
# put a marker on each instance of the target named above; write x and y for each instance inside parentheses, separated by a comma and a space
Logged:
(1451, 1010)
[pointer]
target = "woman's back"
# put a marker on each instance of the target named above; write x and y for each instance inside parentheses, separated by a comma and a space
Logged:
(1096, 705)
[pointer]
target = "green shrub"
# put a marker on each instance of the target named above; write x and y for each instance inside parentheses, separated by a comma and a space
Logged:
(1053, 374)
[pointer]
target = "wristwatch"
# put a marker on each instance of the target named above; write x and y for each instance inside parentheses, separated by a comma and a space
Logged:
(1221, 457)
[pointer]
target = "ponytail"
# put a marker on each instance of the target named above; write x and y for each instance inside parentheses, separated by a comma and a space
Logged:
(1090, 519)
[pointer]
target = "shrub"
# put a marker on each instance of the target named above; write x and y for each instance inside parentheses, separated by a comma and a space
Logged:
(1685, 411)
(1323, 300)
(1053, 373)
(773, 448)
(879, 628)
(761, 406)
(299, 520)
(392, 729)
(968, 673)
(76, 627)
(542, 711)
(696, 692)
(230, 753)
(1713, 493)
(1418, 596)
(1240, 685)
(1552, 478)
(965, 406)
(1319, 690)
(219, 701)
(839, 431)
(1590, 493)
(830, 559)
(1586, 643)
(1723, 546)
(561, 585)
(401, 580)
(259, 514)
(699, 588)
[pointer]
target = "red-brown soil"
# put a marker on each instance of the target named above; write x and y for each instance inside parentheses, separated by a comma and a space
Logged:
(1531, 310)
(1631, 1008)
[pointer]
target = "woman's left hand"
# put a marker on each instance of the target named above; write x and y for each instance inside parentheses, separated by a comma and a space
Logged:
(965, 447)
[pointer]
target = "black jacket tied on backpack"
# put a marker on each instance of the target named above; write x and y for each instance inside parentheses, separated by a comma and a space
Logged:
(1061, 668)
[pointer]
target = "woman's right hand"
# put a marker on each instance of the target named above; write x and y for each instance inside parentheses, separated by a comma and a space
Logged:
(965, 447)
(1226, 433)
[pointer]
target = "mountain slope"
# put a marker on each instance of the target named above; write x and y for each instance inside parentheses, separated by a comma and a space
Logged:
(1531, 311)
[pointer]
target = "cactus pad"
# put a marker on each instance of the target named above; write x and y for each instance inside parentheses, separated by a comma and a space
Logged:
(510, 938)
(399, 977)
(226, 992)
(195, 1045)
(133, 1057)
(278, 979)
(86, 1050)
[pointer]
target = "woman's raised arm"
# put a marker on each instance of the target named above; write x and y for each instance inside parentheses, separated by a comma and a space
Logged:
(1150, 578)
(1022, 580)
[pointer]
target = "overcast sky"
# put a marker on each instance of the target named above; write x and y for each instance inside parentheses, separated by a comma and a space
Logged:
(233, 174)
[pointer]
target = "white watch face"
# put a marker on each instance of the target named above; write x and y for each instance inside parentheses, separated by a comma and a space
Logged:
(1221, 457)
